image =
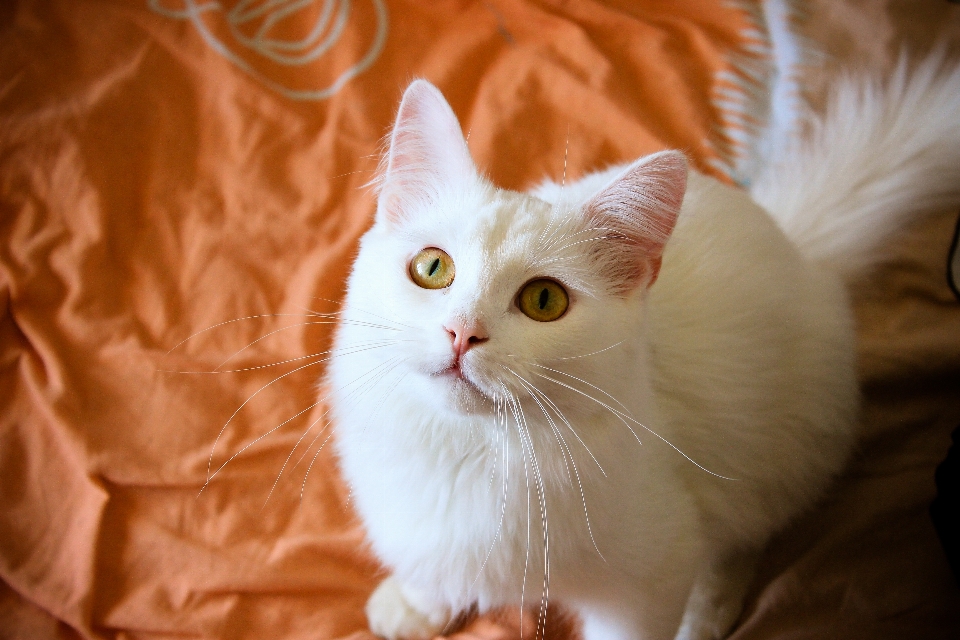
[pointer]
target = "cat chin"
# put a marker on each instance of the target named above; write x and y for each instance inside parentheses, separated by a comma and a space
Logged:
(460, 395)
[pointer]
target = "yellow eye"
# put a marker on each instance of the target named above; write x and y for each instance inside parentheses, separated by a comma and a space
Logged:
(432, 268)
(543, 300)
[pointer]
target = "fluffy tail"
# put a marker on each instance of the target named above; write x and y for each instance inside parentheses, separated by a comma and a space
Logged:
(880, 155)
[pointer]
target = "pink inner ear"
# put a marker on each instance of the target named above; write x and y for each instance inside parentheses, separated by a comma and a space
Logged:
(637, 213)
(427, 153)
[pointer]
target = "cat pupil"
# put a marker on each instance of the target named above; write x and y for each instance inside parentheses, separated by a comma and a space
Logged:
(434, 266)
(544, 296)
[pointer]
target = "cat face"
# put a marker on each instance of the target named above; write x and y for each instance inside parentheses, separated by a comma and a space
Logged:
(470, 294)
(469, 341)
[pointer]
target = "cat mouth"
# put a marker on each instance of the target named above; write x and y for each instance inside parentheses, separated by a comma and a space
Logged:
(455, 376)
(455, 373)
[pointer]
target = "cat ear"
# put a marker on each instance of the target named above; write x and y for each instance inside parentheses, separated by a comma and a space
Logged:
(427, 153)
(636, 214)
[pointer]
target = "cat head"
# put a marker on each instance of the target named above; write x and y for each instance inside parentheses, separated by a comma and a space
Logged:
(469, 294)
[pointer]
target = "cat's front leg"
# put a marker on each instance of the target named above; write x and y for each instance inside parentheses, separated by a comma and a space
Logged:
(399, 612)
(650, 610)
(717, 597)
(624, 623)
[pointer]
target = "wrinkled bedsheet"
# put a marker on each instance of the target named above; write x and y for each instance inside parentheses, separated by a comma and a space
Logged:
(182, 187)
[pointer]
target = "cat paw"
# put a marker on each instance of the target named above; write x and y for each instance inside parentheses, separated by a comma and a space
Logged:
(716, 601)
(715, 626)
(397, 614)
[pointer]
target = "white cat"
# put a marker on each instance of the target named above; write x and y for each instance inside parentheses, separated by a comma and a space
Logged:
(610, 394)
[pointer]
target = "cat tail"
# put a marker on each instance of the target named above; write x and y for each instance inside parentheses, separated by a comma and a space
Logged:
(881, 155)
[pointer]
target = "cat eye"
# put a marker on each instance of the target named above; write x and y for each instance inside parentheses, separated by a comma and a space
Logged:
(543, 300)
(432, 268)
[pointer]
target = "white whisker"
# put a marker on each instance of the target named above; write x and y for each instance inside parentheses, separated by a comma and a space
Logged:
(505, 449)
(258, 391)
(263, 337)
(592, 353)
(581, 380)
(527, 440)
(369, 313)
(565, 449)
(226, 322)
(276, 480)
(303, 485)
(286, 462)
(252, 443)
(386, 342)
(624, 417)
(569, 426)
(514, 408)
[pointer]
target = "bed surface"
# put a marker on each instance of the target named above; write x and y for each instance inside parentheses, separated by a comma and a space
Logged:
(181, 193)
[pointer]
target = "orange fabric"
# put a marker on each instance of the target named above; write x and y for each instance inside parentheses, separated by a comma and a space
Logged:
(152, 187)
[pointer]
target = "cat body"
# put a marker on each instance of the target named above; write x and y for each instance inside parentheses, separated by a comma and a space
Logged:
(628, 458)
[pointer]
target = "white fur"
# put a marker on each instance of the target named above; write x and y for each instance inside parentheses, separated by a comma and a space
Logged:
(882, 154)
(629, 459)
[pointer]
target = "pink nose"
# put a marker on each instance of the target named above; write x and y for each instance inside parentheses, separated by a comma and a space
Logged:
(465, 335)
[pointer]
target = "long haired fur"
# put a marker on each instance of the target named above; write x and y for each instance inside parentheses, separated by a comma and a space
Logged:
(631, 458)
